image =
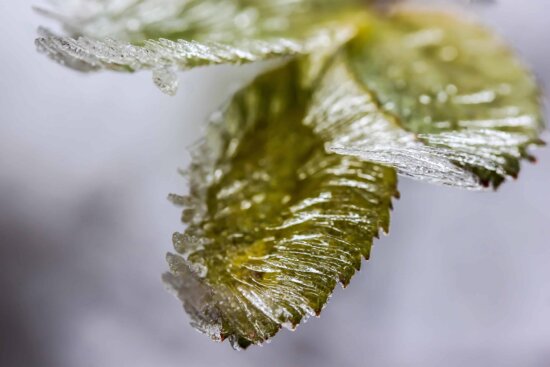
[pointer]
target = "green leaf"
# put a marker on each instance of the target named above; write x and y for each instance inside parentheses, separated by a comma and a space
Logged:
(274, 221)
(453, 86)
(181, 34)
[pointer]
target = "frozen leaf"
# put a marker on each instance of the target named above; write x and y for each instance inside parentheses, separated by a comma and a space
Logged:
(350, 121)
(453, 86)
(160, 35)
(274, 220)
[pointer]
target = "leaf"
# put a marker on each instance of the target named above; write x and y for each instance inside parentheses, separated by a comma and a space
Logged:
(349, 119)
(274, 221)
(456, 91)
(181, 34)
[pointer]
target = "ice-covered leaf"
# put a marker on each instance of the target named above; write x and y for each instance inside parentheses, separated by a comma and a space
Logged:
(274, 221)
(349, 119)
(131, 35)
(448, 83)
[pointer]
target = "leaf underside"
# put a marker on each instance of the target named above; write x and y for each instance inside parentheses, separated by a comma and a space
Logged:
(274, 221)
(183, 34)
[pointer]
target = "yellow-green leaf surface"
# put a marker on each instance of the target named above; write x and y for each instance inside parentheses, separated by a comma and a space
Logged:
(181, 34)
(274, 221)
(454, 86)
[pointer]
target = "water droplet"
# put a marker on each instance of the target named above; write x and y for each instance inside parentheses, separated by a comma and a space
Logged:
(258, 198)
(505, 89)
(451, 89)
(442, 97)
(448, 53)
(425, 99)
(246, 204)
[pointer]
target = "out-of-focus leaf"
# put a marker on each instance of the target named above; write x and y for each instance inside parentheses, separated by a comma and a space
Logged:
(181, 34)
(455, 87)
(274, 221)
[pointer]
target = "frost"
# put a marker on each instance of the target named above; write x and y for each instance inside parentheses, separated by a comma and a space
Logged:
(182, 34)
(348, 117)
(438, 99)
(416, 161)
(352, 123)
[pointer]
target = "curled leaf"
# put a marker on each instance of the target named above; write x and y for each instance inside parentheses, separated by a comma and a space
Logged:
(351, 122)
(181, 34)
(468, 109)
(274, 220)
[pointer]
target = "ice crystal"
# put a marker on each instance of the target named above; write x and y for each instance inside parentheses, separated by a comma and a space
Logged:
(166, 79)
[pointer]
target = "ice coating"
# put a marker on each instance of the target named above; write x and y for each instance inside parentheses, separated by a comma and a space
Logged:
(352, 123)
(182, 34)
(453, 84)
(348, 118)
(274, 219)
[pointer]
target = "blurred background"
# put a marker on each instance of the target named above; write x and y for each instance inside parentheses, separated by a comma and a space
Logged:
(86, 163)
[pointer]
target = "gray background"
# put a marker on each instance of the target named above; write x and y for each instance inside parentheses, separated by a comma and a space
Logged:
(87, 161)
